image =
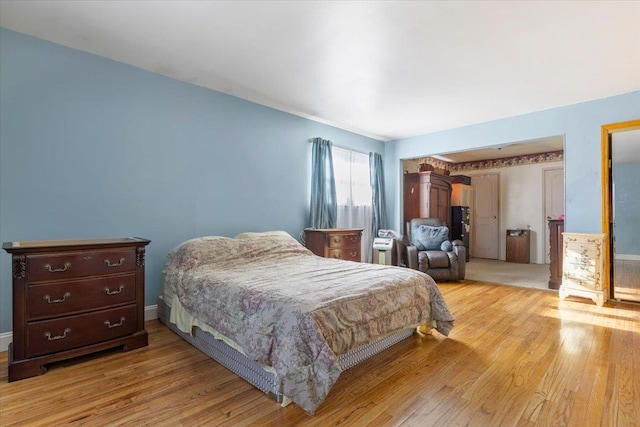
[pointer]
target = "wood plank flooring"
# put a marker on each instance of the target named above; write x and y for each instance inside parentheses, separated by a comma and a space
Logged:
(516, 357)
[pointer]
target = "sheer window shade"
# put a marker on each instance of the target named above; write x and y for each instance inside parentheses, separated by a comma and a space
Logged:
(353, 193)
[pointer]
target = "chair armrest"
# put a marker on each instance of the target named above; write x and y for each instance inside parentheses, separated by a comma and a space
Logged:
(412, 257)
(461, 251)
(407, 253)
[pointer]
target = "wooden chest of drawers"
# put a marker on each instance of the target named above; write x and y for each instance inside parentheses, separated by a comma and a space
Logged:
(583, 267)
(339, 243)
(74, 297)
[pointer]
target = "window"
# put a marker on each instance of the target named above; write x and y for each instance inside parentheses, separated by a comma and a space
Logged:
(353, 193)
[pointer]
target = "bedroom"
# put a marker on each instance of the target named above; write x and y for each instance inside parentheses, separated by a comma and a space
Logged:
(92, 147)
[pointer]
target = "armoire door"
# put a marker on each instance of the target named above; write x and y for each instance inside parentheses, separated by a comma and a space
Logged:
(411, 199)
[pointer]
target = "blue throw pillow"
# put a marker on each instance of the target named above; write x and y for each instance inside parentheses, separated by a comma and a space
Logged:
(429, 238)
(446, 246)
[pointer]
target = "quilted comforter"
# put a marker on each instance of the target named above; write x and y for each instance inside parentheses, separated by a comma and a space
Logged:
(294, 311)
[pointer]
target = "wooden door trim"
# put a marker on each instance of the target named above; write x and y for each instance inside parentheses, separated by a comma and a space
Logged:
(605, 173)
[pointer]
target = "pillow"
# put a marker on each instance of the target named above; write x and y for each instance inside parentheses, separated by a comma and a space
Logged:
(446, 246)
(429, 238)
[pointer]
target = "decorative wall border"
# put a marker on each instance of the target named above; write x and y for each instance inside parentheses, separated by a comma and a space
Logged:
(528, 159)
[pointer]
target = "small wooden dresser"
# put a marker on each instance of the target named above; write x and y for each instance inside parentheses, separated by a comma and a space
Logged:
(74, 297)
(339, 243)
(518, 244)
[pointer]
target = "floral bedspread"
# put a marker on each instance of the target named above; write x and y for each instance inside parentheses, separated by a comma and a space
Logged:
(292, 310)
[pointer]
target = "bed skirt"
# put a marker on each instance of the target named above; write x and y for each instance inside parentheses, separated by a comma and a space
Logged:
(253, 372)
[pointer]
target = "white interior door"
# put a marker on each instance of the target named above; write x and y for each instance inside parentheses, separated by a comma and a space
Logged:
(553, 201)
(485, 223)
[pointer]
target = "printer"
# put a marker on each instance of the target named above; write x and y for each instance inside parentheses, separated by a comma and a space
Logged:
(384, 248)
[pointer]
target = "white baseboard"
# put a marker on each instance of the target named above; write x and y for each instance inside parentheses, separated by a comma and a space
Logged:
(627, 257)
(5, 339)
(150, 313)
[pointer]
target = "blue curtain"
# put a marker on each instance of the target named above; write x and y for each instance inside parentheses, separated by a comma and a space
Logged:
(324, 206)
(377, 192)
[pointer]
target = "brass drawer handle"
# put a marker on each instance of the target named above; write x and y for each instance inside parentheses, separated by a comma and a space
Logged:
(354, 254)
(115, 325)
(48, 299)
(117, 264)
(110, 292)
(56, 270)
(337, 239)
(57, 337)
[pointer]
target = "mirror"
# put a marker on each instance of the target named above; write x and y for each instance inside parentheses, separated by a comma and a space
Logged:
(625, 198)
(620, 204)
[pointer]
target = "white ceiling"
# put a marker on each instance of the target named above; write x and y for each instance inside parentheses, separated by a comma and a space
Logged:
(379, 68)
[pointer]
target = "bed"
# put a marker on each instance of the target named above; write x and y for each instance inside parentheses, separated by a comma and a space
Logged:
(287, 320)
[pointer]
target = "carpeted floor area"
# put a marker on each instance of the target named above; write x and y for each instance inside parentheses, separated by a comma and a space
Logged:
(508, 273)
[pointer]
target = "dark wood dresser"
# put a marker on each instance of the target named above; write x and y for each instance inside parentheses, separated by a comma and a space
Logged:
(74, 297)
(339, 243)
(556, 228)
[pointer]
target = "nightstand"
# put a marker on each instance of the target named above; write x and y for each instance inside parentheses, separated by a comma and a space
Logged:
(338, 243)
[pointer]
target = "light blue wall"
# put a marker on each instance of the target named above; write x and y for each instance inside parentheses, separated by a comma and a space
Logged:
(626, 177)
(580, 124)
(95, 148)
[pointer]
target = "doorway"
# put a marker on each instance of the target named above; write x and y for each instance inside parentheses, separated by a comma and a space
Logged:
(621, 204)
(520, 167)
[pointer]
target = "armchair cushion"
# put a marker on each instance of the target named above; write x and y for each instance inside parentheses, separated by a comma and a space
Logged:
(446, 246)
(427, 237)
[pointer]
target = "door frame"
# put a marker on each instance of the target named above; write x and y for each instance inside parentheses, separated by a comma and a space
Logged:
(607, 203)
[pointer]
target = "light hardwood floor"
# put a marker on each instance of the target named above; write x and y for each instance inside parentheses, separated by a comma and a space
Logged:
(516, 357)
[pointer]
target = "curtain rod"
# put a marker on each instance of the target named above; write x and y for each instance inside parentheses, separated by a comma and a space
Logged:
(345, 148)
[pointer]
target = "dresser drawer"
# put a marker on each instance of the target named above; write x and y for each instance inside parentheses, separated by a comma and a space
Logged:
(50, 336)
(68, 265)
(348, 254)
(344, 240)
(59, 298)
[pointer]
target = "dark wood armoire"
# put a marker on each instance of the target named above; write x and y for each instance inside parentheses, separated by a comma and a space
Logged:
(427, 195)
